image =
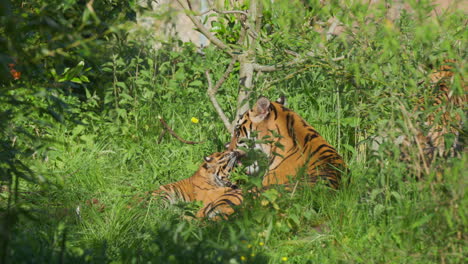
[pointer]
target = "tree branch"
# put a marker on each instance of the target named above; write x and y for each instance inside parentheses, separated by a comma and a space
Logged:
(224, 12)
(169, 129)
(331, 30)
(217, 42)
(255, 21)
(213, 90)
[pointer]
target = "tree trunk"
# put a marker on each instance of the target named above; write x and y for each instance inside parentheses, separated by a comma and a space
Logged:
(248, 58)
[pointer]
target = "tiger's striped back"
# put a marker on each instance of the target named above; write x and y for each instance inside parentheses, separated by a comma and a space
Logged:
(298, 150)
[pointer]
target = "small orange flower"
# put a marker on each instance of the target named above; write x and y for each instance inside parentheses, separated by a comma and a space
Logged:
(15, 74)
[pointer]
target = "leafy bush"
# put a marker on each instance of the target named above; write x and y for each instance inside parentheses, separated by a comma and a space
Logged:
(80, 136)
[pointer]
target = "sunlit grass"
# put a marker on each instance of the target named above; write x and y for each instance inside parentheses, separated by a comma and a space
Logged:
(84, 204)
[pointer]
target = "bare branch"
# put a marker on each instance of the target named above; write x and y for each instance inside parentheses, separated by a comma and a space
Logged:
(267, 68)
(161, 135)
(225, 75)
(331, 30)
(254, 23)
(271, 68)
(169, 129)
(241, 36)
(217, 42)
(293, 53)
(213, 90)
(224, 12)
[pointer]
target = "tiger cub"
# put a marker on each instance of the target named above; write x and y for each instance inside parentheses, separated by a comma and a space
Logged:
(298, 147)
(209, 184)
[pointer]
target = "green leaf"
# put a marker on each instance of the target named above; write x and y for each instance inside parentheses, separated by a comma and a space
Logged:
(122, 85)
(76, 80)
(349, 148)
(196, 83)
(271, 195)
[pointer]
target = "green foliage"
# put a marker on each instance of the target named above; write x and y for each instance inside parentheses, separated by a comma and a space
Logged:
(80, 137)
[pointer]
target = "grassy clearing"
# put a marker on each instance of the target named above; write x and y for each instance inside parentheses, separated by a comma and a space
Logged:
(378, 218)
(88, 168)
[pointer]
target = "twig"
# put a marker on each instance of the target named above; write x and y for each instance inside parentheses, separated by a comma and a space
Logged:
(271, 68)
(331, 30)
(217, 42)
(225, 75)
(213, 90)
(169, 129)
(294, 189)
(224, 12)
(163, 132)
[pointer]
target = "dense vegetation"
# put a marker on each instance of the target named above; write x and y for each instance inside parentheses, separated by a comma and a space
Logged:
(82, 90)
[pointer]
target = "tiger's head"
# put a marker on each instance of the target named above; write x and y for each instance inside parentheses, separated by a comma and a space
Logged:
(218, 167)
(254, 125)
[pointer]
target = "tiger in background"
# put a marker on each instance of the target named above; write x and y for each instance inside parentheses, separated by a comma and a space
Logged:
(210, 184)
(444, 100)
(441, 121)
(299, 147)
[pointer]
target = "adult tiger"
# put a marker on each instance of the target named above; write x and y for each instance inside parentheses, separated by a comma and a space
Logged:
(209, 184)
(291, 144)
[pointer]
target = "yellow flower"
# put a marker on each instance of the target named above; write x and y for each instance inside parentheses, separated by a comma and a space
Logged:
(252, 255)
(194, 120)
(243, 258)
(284, 258)
(261, 243)
(249, 246)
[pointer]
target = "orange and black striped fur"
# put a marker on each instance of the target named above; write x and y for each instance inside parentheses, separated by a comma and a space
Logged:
(299, 146)
(209, 184)
(443, 101)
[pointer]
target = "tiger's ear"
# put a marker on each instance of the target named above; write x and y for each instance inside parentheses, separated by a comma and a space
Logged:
(261, 110)
(208, 159)
(281, 100)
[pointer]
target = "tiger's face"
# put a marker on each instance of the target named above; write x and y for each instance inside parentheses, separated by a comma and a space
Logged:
(218, 167)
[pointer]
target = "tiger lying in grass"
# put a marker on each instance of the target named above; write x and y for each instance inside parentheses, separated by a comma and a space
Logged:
(291, 145)
(210, 184)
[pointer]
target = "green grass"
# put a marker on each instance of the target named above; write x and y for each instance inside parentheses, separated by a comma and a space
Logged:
(102, 156)
(379, 217)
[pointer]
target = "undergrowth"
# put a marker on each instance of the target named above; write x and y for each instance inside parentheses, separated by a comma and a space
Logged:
(81, 143)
